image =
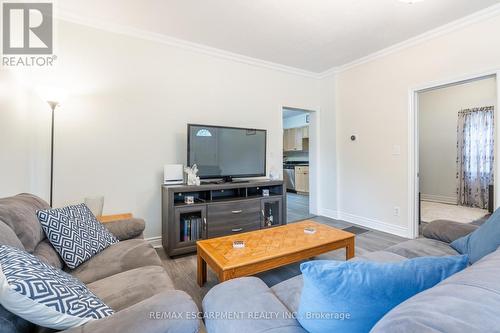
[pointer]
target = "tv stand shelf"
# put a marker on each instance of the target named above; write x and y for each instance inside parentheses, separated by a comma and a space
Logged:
(219, 210)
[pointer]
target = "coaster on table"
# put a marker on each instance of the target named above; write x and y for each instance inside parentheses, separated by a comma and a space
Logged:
(238, 244)
(309, 230)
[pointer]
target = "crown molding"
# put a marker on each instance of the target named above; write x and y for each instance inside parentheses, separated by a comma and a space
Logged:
(183, 44)
(476, 17)
(479, 16)
(332, 71)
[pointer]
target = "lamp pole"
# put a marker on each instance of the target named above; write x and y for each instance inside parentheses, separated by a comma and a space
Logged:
(53, 106)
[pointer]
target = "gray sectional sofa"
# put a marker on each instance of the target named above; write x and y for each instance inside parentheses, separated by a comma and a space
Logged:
(468, 301)
(128, 276)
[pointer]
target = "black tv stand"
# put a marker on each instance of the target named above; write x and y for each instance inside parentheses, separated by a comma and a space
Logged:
(219, 210)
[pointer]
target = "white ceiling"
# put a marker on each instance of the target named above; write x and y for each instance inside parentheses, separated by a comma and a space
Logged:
(313, 35)
(288, 113)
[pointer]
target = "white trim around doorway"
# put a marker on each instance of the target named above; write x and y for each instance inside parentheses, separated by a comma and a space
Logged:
(314, 144)
(413, 156)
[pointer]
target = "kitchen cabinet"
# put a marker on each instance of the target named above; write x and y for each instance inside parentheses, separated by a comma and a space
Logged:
(305, 132)
(293, 139)
(302, 179)
(297, 139)
(289, 140)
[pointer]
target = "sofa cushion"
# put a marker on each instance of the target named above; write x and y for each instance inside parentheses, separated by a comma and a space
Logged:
(288, 292)
(466, 302)
(126, 229)
(43, 294)
(447, 231)
(9, 237)
(45, 251)
(124, 289)
(19, 213)
(422, 247)
(171, 311)
(352, 296)
(245, 303)
(379, 256)
(75, 233)
(482, 241)
(120, 257)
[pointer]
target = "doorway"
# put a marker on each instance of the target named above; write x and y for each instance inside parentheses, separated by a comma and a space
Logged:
(297, 162)
(454, 148)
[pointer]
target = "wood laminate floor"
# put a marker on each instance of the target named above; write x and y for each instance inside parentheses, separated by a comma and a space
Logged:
(297, 207)
(182, 270)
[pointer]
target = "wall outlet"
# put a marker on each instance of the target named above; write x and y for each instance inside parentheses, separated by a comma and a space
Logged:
(396, 150)
(396, 210)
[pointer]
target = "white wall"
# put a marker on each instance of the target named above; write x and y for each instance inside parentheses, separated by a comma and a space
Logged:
(130, 100)
(21, 169)
(128, 104)
(326, 158)
(373, 102)
(438, 115)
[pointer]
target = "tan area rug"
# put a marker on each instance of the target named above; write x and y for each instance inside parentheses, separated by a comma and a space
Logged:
(432, 211)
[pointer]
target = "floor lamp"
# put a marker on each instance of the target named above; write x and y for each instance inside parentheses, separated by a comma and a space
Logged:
(53, 106)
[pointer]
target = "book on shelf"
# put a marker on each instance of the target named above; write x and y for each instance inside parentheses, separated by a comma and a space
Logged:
(184, 231)
(191, 228)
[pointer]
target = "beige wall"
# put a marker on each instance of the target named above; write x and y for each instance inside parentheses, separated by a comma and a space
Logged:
(373, 102)
(438, 114)
(128, 104)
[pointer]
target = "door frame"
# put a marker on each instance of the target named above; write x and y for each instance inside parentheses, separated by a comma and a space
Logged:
(413, 141)
(314, 144)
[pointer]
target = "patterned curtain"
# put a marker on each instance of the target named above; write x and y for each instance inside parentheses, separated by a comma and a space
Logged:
(475, 156)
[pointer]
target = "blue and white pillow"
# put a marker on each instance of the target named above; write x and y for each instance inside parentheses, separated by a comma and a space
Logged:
(75, 233)
(44, 295)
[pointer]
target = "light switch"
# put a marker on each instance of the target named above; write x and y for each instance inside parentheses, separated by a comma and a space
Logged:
(396, 150)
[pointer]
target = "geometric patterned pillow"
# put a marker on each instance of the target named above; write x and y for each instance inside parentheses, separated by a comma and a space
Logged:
(75, 233)
(45, 295)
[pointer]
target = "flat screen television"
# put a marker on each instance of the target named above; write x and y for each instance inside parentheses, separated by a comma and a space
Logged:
(227, 152)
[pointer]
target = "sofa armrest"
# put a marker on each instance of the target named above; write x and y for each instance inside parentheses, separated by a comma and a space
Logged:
(447, 231)
(127, 228)
(171, 311)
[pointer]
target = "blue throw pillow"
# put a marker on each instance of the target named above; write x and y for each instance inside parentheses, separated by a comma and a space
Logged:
(352, 296)
(482, 241)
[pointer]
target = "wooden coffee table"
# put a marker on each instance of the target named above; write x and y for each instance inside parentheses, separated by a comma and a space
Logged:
(269, 248)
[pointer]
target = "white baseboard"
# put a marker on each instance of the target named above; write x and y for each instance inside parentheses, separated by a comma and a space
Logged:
(333, 214)
(439, 198)
(366, 222)
(330, 213)
(155, 241)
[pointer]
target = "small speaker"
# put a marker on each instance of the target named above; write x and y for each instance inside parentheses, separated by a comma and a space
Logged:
(173, 174)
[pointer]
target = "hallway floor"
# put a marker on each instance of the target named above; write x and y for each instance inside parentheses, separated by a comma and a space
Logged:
(297, 207)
